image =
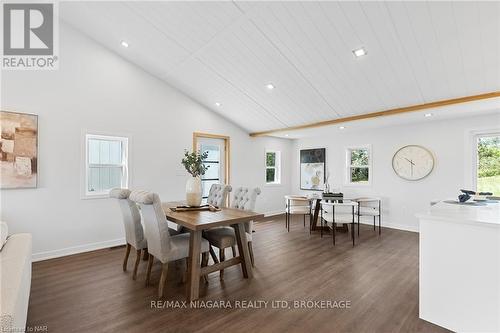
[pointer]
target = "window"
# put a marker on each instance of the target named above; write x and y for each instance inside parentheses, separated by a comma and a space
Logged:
(106, 164)
(273, 167)
(358, 165)
(487, 164)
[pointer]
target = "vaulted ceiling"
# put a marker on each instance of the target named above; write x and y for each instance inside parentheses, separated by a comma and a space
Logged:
(226, 52)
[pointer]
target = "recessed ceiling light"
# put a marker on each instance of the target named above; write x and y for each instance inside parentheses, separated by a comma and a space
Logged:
(359, 52)
(427, 115)
(218, 103)
(342, 127)
(286, 135)
(124, 43)
(270, 86)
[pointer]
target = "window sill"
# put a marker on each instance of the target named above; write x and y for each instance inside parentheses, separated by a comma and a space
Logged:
(358, 184)
(273, 185)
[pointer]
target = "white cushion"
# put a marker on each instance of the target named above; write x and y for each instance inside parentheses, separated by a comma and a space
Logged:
(299, 210)
(4, 232)
(15, 273)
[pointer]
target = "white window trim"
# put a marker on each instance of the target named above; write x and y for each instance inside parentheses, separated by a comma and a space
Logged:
(277, 167)
(474, 136)
(347, 178)
(85, 194)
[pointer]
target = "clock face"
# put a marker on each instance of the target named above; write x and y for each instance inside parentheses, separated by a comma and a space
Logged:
(413, 162)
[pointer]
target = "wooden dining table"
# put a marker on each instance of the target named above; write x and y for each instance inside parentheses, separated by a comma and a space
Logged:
(196, 222)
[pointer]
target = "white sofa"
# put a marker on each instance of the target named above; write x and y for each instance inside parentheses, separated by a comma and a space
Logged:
(15, 281)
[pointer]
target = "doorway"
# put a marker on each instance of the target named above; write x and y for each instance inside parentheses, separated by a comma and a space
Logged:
(217, 147)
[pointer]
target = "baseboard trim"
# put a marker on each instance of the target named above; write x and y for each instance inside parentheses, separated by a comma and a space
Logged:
(385, 224)
(121, 241)
(274, 213)
(393, 226)
(76, 249)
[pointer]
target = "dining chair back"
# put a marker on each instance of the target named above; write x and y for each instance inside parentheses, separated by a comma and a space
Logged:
(297, 205)
(245, 198)
(134, 233)
(155, 223)
(339, 212)
(217, 196)
(370, 207)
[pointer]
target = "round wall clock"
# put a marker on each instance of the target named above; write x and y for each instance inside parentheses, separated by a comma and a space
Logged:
(413, 162)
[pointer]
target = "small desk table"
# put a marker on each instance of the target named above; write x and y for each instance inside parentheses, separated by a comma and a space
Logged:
(196, 222)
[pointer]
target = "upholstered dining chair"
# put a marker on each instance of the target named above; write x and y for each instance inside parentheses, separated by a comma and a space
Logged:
(297, 205)
(338, 212)
(217, 196)
(224, 237)
(370, 207)
(134, 234)
(161, 245)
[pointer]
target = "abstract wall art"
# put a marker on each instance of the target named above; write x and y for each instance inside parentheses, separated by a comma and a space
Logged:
(312, 169)
(18, 150)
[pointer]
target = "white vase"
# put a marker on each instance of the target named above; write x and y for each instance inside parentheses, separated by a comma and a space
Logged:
(193, 191)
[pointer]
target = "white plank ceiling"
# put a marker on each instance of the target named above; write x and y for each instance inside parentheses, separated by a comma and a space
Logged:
(227, 52)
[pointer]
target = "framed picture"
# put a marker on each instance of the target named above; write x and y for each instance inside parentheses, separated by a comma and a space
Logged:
(18, 150)
(312, 169)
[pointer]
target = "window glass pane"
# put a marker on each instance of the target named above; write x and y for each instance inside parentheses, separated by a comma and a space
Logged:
(212, 171)
(104, 151)
(213, 152)
(488, 169)
(359, 157)
(94, 151)
(94, 184)
(115, 178)
(359, 175)
(103, 179)
(270, 175)
(270, 159)
(115, 152)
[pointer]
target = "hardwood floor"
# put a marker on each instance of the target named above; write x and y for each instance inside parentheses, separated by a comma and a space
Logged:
(379, 277)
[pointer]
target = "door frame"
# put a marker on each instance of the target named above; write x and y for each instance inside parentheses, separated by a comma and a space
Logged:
(227, 153)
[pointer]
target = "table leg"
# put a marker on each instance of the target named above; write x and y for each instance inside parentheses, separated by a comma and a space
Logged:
(241, 239)
(317, 207)
(194, 265)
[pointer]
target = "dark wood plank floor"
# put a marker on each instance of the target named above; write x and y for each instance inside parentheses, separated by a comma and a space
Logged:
(379, 277)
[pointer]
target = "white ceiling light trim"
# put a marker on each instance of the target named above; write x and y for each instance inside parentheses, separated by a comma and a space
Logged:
(359, 52)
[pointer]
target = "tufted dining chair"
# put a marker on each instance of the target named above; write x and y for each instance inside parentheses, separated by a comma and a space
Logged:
(243, 198)
(134, 234)
(217, 195)
(162, 246)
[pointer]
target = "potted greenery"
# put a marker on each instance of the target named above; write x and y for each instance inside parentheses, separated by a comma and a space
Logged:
(193, 162)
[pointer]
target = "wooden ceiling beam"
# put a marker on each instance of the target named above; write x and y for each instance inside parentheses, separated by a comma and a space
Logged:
(390, 112)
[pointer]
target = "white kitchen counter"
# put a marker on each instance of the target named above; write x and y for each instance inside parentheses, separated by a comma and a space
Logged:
(460, 267)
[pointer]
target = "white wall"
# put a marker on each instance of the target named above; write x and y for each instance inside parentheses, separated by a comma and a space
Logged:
(98, 91)
(448, 140)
